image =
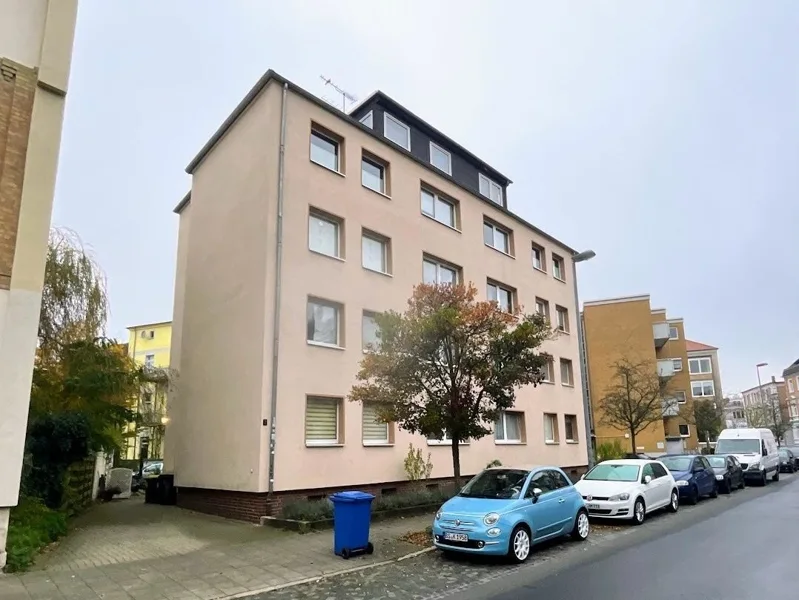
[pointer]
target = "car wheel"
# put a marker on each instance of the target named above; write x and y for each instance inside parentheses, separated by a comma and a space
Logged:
(776, 476)
(581, 526)
(742, 485)
(519, 545)
(639, 512)
(763, 480)
(726, 487)
(694, 497)
(674, 503)
(715, 491)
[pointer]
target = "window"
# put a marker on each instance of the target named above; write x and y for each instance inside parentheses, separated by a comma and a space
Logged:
(539, 260)
(323, 322)
(674, 333)
(501, 295)
(659, 470)
(435, 271)
(544, 481)
(557, 268)
(790, 385)
(149, 360)
(325, 150)
(563, 318)
(703, 389)
(397, 131)
(542, 307)
(680, 397)
(509, 427)
(647, 470)
(322, 421)
(370, 332)
(438, 208)
(677, 364)
(374, 431)
(496, 237)
(324, 234)
(570, 422)
(375, 252)
(547, 370)
(550, 428)
(368, 120)
(566, 372)
(559, 479)
(685, 430)
(373, 175)
(700, 366)
(490, 189)
(440, 158)
(444, 441)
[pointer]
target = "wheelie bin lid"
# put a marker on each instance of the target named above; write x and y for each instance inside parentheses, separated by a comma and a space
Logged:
(351, 496)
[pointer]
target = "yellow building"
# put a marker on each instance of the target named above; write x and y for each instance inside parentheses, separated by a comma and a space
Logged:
(149, 346)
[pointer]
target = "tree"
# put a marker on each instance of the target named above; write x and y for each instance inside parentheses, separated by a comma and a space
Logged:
(634, 400)
(450, 364)
(769, 416)
(706, 415)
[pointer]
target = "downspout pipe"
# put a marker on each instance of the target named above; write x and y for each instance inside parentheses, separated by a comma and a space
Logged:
(584, 376)
(281, 161)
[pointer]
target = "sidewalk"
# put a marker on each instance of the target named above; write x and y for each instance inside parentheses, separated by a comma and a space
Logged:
(130, 550)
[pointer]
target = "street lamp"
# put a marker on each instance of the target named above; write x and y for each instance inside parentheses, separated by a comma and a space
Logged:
(760, 385)
(576, 258)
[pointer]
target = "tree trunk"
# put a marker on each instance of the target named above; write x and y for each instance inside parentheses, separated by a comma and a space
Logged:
(456, 462)
(632, 439)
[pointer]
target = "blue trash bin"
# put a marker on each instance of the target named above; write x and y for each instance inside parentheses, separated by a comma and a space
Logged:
(352, 513)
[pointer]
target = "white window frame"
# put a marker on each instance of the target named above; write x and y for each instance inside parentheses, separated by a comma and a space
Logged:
(541, 303)
(367, 117)
(337, 441)
(384, 442)
(494, 229)
(680, 397)
(436, 199)
(562, 311)
(790, 385)
(676, 335)
(570, 363)
(315, 214)
(701, 383)
(385, 242)
(388, 117)
(698, 362)
(445, 441)
(553, 418)
(542, 266)
(575, 434)
(439, 264)
(503, 415)
(434, 146)
(687, 427)
(329, 303)
(491, 184)
(677, 364)
(383, 171)
(337, 143)
(149, 360)
(558, 268)
(498, 286)
(549, 371)
(364, 315)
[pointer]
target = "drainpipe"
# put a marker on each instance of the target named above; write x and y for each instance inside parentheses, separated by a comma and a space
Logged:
(278, 273)
(581, 257)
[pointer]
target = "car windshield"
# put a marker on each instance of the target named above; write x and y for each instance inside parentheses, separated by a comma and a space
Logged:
(677, 463)
(613, 472)
(738, 446)
(784, 453)
(717, 461)
(505, 484)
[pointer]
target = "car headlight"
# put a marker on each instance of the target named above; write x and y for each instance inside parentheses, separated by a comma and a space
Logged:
(681, 483)
(438, 515)
(755, 466)
(617, 497)
(490, 519)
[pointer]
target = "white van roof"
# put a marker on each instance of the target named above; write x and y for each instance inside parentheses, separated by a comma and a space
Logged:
(745, 433)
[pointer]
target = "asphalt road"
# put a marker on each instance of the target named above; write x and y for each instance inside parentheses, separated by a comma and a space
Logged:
(739, 547)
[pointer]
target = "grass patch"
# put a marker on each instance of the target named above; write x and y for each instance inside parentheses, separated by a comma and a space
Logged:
(32, 527)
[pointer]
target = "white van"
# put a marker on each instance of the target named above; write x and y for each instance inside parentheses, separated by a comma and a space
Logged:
(755, 449)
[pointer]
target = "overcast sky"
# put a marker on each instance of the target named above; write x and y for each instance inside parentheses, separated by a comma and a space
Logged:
(662, 134)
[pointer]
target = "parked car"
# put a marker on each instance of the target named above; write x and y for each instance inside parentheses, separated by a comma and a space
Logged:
(640, 455)
(150, 471)
(755, 449)
(628, 489)
(693, 475)
(795, 450)
(787, 461)
(729, 474)
(505, 511)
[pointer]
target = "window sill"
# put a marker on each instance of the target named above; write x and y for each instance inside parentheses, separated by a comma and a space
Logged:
(572, 441)
(564, 331)
(510, 443)
(326, 168)
(502, 252)
(378, 192)
(547, 382)
(551, 443)
(544, 271)
(424, 214)
(323, 345)
(378, 445)
(558, 279)
(568, 385)
(447, 443)
(324, 445)
(383, 273)
(338, 258)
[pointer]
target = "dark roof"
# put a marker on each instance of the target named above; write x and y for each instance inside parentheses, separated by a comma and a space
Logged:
(382, 97)
(793, 368)
(271, 75)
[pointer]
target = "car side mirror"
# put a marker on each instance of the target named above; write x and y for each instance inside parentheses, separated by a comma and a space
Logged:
(536, 493)
(647, 479)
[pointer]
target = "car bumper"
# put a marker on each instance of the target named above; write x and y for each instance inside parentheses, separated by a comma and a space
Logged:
(478, 543)
(753, 474)
(605, 509)
(686, 491)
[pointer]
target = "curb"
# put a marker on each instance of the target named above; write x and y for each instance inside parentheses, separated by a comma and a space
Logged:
(282, 586)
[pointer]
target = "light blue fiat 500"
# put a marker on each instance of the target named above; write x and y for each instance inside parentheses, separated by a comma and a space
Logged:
(504, 511)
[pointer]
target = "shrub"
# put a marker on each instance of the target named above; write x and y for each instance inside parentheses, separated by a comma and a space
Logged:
(32, 526)
(307, 510)
(416, 467)
(609, 451)
(494, 463)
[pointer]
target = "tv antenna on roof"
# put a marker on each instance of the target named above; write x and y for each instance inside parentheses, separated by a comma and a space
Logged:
(345, 95)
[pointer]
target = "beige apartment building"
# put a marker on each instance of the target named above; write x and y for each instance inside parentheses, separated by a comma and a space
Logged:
(35, 55)
(302, 223)
(628, 328)
(791, 377)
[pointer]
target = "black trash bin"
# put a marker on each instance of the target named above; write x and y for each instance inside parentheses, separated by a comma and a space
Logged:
(168, 494)
(152, 492)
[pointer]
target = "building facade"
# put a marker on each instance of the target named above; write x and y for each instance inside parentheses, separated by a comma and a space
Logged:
(627, 328)
(767, 405)
(149, 346)
(35, 55)
(301, 224)
(791, 377)
(734, 412)
(705, 376)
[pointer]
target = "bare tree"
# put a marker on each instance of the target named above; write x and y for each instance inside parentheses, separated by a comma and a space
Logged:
(767, 414)
(635, 400)
(706, 415)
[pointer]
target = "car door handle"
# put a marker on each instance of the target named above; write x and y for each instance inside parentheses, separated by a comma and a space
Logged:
(562, 500)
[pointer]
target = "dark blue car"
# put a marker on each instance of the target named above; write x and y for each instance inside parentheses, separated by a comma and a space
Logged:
(694, 476)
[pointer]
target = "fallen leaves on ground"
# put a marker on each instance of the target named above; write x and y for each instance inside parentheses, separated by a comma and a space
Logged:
(418, 538)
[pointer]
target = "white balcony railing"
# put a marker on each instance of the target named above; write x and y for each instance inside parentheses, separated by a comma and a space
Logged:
(660, 332)
(671, 408)
(666, 367)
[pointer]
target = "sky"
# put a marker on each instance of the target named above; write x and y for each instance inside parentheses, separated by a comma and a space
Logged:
(664, 135)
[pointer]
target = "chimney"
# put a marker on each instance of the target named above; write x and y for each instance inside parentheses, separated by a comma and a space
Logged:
(773, 379)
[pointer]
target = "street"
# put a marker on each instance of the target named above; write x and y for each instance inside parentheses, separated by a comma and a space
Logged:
(739, 546)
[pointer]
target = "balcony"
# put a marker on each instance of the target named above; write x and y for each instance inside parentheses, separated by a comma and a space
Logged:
(671, 407)
(660, 332)
(666, 368)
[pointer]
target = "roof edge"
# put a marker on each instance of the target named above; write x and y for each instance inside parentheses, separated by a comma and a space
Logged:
(182, 204)
(149, 325)
(617, 300)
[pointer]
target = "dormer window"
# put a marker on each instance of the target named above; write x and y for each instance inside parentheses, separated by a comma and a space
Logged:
(490, 189)
(397, 131)
(440, 158)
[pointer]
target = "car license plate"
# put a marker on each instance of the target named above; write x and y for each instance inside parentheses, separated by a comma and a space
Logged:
(456, 537)
(590, 506)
